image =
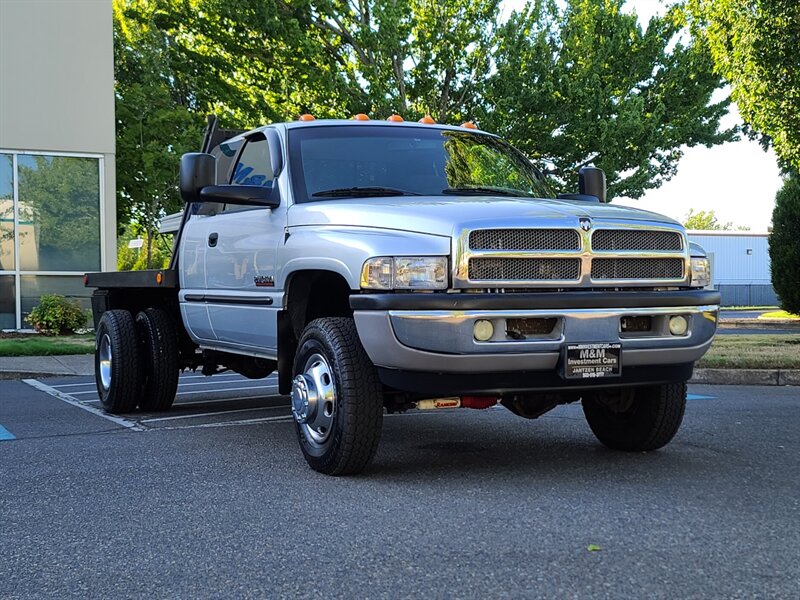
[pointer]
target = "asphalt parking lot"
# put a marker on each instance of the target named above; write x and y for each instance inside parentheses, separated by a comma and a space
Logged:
(213, 499)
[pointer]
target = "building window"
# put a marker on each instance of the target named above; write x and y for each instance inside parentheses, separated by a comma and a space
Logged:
(59, 213)
(50, 219)
(7, 213)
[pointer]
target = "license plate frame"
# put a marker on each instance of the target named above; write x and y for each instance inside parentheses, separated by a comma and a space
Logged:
(592, 361)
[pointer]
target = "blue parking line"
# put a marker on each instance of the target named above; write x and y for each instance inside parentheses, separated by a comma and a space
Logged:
(5, 434)
(699, 397)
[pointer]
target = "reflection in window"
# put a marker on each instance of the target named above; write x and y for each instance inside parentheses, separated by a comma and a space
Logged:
(59, 213)
(8, 305)
(6, 216)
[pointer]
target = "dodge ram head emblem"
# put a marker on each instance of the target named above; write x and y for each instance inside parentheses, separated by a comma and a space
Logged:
(586, 224)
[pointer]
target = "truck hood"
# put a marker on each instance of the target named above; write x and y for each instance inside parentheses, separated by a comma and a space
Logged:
(446, 216)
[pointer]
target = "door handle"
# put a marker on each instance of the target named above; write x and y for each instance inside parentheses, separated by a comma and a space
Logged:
(212, 239)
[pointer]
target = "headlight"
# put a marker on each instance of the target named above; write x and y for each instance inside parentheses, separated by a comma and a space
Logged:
(405, 273)
(701, 272)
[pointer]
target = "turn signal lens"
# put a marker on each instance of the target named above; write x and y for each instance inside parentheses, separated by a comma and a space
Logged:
(701, 272)
(378, 273)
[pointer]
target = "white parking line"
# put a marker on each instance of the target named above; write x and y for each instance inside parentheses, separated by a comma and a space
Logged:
(255, 387)
(66, 385)
(75, 402)
(196, 402)
(285, 419)
(212, 414)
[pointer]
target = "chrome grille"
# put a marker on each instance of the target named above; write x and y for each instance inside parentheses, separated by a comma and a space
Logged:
(637, 268)
(524, 269)
(525, 239)
(636, 239)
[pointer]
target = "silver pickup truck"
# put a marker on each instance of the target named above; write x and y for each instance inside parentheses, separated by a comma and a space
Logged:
(391, 266)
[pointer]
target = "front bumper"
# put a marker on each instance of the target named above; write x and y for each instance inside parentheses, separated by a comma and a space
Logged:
(433, 333)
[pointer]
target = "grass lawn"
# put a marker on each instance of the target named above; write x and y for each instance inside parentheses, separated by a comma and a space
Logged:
(39, 345)
(727, 352)
(753, 352)
(780, 314)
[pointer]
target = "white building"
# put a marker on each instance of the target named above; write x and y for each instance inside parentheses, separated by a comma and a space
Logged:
(57, 185)
(740, 266)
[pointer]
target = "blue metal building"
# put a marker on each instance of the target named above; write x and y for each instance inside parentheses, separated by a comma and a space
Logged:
(740, 267)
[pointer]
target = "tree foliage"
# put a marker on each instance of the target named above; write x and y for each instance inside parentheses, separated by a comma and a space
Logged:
(570, 84)
(705, 220)
(784, 244)
(755, 44)
(585, 84)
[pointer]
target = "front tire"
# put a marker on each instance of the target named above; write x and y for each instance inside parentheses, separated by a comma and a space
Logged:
(636, 419)
(160, 360)
(117, 362)
(337, 398)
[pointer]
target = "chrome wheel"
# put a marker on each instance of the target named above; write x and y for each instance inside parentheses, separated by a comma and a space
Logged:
(104, 365)
(314, 399)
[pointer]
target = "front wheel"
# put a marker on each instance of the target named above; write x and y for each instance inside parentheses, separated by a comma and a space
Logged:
(337, 398)
(636, 419)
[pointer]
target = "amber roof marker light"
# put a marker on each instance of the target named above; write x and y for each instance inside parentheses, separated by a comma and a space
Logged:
(427, 120)
(360, 117)
(469, 125)
(395, 119)
(306, 117)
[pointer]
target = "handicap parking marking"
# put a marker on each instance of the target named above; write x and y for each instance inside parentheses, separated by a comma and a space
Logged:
(699, 397)
(5, 434)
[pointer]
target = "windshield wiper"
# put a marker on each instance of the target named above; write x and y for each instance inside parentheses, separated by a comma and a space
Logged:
(364, 191)
(485, 191)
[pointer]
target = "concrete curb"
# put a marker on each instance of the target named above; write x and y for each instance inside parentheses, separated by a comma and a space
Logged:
(84, 366)
(747, 376)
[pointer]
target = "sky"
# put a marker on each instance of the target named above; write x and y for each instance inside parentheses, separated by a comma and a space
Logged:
(737, 180)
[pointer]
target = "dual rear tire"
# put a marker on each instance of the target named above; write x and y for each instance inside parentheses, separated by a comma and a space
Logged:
(136, 361)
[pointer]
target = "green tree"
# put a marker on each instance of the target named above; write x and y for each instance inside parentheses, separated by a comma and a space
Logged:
(584, 84)
(705, 220)
(784, 244)
(755, 44)
(413, 57)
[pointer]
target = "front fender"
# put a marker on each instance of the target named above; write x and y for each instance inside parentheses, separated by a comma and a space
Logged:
(344, 250)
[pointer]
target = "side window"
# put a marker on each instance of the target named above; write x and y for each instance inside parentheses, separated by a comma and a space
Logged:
(252, 168)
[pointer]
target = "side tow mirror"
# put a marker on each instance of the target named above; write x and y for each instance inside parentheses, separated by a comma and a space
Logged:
(592, 182)
(198, 170)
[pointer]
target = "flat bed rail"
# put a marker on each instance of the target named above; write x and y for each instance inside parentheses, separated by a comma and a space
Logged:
(153, 278)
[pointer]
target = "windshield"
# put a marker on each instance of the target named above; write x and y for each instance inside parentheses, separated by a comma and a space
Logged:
(378, 161)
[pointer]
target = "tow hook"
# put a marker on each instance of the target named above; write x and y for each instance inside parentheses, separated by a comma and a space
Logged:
(477, 402)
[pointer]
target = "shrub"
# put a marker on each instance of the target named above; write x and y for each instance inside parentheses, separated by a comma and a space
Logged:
(784, 244)
(56, 315)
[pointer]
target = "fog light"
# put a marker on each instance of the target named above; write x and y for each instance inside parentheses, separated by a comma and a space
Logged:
(678, 325)
(483, 330)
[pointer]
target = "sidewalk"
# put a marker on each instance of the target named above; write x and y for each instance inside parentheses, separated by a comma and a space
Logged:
(24, 367)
